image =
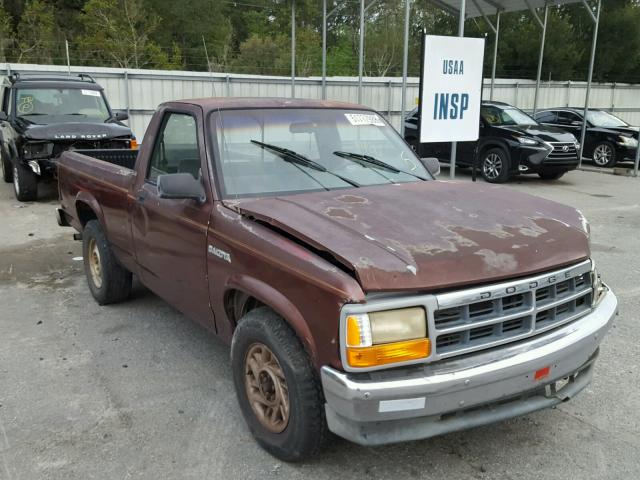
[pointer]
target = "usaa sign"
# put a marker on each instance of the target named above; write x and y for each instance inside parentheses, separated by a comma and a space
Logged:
(451, 89)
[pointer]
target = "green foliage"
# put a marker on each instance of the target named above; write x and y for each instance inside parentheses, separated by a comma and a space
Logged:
(117, 33)
(36, 38)
(6, 33)
(253, 36)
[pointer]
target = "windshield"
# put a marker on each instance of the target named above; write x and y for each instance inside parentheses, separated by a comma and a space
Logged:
(48, 105)
(496, 116)
(278, 151)
(598, 118)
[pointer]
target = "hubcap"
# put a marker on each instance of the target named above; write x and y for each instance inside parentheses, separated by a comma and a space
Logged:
(95, 266)
(266, 388)
(602, 154)
(492, 166)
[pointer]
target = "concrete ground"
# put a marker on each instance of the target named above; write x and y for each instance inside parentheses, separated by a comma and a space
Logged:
(137, 391)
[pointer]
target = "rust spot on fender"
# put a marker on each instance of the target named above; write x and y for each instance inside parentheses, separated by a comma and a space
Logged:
(340, 213)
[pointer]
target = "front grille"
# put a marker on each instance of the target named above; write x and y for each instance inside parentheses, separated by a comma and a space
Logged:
(562, 153)
(480, 318)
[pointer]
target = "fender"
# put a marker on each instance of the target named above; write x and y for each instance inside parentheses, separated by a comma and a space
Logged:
(87, 198)
(279, 303)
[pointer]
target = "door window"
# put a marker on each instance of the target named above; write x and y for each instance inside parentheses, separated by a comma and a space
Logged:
(566, 118)
(176, 148)
(546, 117)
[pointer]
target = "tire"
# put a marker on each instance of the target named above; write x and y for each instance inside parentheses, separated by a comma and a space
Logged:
(604, 154)
(108, 281)
(494, 165)
(25, 183)
(551, 175)
(304, 431)
(6, 168)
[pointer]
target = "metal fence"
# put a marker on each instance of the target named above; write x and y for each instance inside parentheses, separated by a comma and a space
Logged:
(140, 91)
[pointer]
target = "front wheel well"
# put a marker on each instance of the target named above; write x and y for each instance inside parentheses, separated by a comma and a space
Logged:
(238, 303)
(85, 213)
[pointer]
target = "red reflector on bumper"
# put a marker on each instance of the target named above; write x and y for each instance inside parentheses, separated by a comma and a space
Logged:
(543, 372)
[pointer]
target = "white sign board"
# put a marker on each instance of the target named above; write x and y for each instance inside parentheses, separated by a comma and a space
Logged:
(451, 89)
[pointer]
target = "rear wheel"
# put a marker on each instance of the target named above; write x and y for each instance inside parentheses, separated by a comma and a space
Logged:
(6, 169)
(551, 175)
(494, 165)
(25, 183)
(604, 154)
(277, 388)
(108, 281)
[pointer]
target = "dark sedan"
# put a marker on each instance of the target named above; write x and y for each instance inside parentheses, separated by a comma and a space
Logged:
(608, 140)
(511, 143)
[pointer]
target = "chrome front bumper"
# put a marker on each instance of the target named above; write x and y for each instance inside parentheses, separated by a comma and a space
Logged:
(423, 401)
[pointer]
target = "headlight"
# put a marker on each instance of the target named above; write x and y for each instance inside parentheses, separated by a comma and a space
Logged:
(526, 141)
(628, 141)
(389, 336)
(37, 150)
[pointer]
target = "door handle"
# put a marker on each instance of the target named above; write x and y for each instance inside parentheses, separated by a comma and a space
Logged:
(142, 196)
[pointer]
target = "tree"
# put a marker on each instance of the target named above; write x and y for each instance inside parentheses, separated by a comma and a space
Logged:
(36, 33)
(264, 55)
(117, 33)
(6, 33)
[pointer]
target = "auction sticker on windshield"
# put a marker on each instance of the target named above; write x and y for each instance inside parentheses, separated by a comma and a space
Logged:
(364, 119)
(93, 93)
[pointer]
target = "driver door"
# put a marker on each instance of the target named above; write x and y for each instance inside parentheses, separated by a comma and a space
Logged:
(170, 235)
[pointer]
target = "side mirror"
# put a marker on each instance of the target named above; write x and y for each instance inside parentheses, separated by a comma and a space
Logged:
(180, 186)
(3, 117)
(120, 116)
(432, 165)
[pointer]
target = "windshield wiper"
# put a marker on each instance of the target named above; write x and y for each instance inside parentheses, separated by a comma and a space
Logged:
(368, 160)
(34, 114)
(299, 159)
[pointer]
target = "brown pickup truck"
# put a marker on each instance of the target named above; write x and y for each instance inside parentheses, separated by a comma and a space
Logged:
(359, 295)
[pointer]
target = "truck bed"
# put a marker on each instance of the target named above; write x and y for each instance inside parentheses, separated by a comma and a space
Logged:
(99, 181)
(122, 157)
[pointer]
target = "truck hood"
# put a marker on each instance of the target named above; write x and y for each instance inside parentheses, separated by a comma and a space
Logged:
(75, 131)
(541, 132)
(428, 235)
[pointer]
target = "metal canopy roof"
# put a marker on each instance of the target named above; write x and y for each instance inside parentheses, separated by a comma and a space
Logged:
(478, 8)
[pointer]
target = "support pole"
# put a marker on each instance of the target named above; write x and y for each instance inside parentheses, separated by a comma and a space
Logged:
(454, 145)
(541, 57)
(636, 165)
(495, 54)
(361, 52)
(405, 64)
(324, 49)
(590, 77)
(66, 46)
(293, 48)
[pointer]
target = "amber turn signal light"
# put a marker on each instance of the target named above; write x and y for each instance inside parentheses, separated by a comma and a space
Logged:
(376, 355)
(133, 144)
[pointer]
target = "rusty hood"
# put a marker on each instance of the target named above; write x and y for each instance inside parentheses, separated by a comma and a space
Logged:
(428, 235)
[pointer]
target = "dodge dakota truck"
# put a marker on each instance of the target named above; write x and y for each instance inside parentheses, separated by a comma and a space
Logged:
(41, 116)
(358, 294)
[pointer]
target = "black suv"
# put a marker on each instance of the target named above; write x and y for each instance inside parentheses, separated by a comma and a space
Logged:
(511, 143)
(608, 139)
(43, 116)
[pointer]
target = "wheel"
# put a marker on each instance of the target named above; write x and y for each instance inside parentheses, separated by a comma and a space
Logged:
(604, 154)
(277, 388)
(551, 175)
(25, 183)
(494, 165)
(108, 281)
(6, 169)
